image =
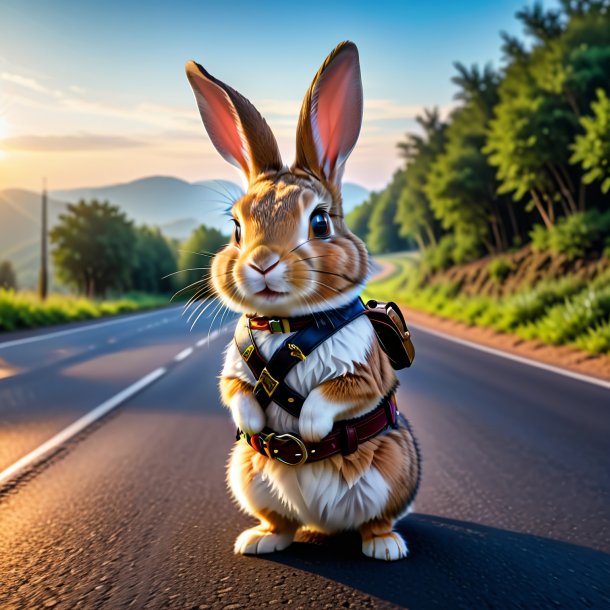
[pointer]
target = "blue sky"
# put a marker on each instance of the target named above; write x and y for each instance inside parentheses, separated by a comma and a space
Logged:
(94, 92)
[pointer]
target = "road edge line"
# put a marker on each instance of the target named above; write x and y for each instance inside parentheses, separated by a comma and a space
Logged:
(48, 447)
(70, 331)
(514, 357)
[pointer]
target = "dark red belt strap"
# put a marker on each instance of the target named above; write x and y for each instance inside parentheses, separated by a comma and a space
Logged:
(344, 438)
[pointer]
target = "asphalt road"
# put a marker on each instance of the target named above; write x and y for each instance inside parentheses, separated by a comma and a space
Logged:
(514, 509)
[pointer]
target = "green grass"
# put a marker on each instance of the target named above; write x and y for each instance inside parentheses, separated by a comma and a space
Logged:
(569, 311)
(25, 310)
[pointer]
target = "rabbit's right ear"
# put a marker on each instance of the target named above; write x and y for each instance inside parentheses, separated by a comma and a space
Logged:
(237, 130)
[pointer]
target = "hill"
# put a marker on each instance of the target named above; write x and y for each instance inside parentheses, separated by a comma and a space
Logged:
(174, 205)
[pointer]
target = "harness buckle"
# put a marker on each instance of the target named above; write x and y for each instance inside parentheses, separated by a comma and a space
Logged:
(296, 352)
(275, 325)
(301, 455)
(267, 382)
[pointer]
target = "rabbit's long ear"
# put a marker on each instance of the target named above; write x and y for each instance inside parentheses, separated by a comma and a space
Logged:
(331, 115)
(236, 128)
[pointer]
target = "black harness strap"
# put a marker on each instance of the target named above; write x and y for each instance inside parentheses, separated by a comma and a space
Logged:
(271, 375)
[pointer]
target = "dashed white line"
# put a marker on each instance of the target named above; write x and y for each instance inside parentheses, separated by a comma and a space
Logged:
(48, 447)
(53, 444)
(184, 354)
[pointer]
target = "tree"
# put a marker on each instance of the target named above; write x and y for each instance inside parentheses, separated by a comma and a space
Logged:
(195, 257)
(592, 148)
(414, 213)
(383, 235)
(154, 260)
(461, 187)
(358, 219)
(544, 93)
(8, 277)
(94, 247)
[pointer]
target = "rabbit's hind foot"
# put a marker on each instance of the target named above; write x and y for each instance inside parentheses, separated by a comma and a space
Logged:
(380, 542)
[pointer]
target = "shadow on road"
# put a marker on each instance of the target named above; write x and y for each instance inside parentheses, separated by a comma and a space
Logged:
(461, 564)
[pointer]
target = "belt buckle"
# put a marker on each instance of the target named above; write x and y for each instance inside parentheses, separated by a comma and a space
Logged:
(274, 453)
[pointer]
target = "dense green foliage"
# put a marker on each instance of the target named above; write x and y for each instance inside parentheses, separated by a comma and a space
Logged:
(8, 277)
(96, 249)
(153, 263)
(592, 148)
(195, 259)
(527, 144)
(94, 246)
(572, 311)
(26, 310)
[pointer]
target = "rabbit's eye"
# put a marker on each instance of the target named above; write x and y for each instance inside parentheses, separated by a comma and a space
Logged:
(320, 224)
(237, 232)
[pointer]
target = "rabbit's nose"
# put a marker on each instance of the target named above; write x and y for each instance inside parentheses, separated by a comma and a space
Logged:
(263, 260)
(266, 270)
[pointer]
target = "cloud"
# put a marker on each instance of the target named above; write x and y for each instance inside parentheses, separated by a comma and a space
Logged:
(29, 83)
(69, 143)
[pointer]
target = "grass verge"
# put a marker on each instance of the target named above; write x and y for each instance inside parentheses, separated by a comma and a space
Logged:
(26, 310)
(571, 311)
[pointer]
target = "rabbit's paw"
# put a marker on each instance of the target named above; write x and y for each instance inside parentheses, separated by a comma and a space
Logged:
(257, 541)
(316, 419)
(247, 413)
(387, 547)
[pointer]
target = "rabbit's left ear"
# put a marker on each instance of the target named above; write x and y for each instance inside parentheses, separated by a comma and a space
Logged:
(236, 128)
(331, 115)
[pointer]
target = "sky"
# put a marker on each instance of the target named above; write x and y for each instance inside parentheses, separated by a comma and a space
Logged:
(94, 93)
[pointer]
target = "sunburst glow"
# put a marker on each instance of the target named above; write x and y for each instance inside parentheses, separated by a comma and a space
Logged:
(3, 134)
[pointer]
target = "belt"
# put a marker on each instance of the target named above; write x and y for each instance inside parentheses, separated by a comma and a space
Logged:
(345, 437)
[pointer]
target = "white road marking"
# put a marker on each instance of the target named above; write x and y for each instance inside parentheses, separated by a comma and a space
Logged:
(91, 417)
(79, 425)
(521, 359)
(70, 331)
(184, 354)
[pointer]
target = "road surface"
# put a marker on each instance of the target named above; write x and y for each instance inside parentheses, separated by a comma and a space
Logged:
(513, 512)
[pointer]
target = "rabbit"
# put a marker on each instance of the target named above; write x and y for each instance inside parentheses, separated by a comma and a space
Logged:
(291, 255)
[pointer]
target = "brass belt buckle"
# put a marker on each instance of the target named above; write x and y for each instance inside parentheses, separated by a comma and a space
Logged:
(283, 438)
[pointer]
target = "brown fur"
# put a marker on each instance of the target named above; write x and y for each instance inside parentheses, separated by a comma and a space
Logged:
(270, 214)
(314, 274)
(229, 386)
(275, 523)
(373, 380)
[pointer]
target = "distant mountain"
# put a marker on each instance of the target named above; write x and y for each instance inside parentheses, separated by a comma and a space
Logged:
(163, 200)
(174, 205)
(353, 195)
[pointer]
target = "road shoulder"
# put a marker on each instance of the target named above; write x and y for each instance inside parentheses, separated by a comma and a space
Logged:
(569, 358)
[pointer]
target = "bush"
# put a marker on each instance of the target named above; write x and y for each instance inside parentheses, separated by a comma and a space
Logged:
(574, 236)
(564, 322)
(596, 339)
(540, 237)
(499, 269)
(439, 257)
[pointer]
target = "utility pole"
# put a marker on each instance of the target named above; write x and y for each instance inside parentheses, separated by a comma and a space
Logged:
(43, 274)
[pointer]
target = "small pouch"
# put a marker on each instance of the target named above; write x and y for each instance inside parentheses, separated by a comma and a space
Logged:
(392, 332)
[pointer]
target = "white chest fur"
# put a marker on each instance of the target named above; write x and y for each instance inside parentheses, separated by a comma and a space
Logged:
(336, 356)
(316, 494)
